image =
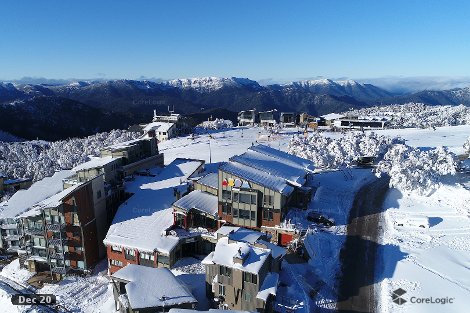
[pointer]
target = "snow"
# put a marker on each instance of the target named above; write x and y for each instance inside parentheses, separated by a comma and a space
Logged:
(424, 259)
(95, 162)
(258, 177)
(245, 235)
(332, 116)
(51, 202)
(199, 200)
(269, 286)
(153, 287)
(274, 166)
(158, 126)
(205, 84)
(91, 294)
(253, 258)
(210, 180)
(23, 200)
(140, 221)
(14, 272)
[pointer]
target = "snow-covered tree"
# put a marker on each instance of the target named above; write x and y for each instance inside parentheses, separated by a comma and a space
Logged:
(466, 146)
(412, 170)
(215, 124)
(38, 159)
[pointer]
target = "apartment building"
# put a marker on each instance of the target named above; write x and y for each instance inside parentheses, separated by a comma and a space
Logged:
(241, 276)
(247, 118)
(64, 232)
(11, 230)
(136, 155)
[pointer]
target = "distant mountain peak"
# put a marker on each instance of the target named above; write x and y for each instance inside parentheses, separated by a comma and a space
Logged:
(210, 83)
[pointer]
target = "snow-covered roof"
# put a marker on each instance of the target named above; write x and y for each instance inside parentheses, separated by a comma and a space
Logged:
(199, 200)
(158, 126)
(332, 116)
(210, 180)
(23, 200)
(253, 258)
(149, 287)
(125, 144)
(245, 235)
(258, 177)
(225, 230)
(269, 286)
(141, 220)
(285, 157)
(52, 201)
(276, 251)
(95, 162)
(283, 168)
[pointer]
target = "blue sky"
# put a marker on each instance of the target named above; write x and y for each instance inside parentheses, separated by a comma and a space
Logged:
(262, 40)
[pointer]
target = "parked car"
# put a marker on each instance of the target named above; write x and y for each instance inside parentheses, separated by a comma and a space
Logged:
(321, 219)
(412, 221)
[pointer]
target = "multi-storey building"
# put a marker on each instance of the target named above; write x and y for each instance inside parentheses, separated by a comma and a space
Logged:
(64, 232)
(241, 275)
(247, 118)
(257, 188)
(11, 230)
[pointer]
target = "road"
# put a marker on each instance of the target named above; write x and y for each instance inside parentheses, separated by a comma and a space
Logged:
(358, 256)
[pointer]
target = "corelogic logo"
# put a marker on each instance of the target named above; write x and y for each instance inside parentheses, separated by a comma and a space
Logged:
(397, 296)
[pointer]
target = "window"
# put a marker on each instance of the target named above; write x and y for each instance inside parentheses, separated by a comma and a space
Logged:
(227, 208)
(130, 252)
(244, 214)
(235, 212)
(268, 200)
(164, 259)
(116, 249)
(81, 264)
(247, 296)
(75, 219)
(250, 278)
(221, 290)
(253, 215)
(116, 263)
(226, 195)
(225, 271)
(79, 249)
(244, 198)
(98, 194)
(268, 214)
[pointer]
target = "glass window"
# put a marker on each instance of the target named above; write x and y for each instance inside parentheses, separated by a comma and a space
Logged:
(225, 271)
(235, 212)
(245, 198)
(253, 199)
(268, 214)
(226, 195)
(221, 290)
(81, 264)
(247, 297)
(244, 214)
(253, 215)
(116, 249)
(164, 259)
(268, 200)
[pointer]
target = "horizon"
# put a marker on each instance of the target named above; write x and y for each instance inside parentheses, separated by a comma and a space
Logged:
(265, 41)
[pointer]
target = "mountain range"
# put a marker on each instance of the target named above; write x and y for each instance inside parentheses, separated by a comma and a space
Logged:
(84, 107)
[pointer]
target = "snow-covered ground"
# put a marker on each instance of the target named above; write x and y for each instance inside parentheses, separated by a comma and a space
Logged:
(432, 262)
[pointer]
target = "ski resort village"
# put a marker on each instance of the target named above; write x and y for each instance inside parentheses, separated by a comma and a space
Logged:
(361, 211)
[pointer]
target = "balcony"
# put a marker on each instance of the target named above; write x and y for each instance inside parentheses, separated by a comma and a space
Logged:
(9, 226)
(55, 227)
(34, 231)
(57, 256)
(59, 270)
(57, 242)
